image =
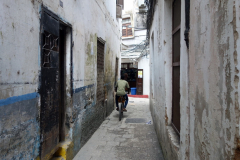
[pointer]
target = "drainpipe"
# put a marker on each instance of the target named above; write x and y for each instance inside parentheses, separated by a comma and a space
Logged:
(187, 22)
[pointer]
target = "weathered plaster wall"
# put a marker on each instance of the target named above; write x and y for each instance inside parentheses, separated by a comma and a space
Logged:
(209, 80)
(214, 79)
(174, 147)
(184, 92)
(20, 70)
(160, 81)
(112, 10)
(19, 128)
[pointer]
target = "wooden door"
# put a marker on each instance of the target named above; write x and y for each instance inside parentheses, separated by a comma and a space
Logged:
(49, 90)
(176, 65)
(100, 72)
(140, 82)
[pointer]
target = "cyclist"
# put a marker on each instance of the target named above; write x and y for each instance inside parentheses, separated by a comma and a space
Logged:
(121, 86)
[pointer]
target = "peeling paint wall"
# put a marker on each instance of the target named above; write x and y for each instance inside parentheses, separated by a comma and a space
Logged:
(209, 80)
(19, 128)
(161, 77)
(20, 71)
(214, 79)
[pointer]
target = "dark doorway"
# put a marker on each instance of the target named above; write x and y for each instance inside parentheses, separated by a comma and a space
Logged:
(53, 81)
(116, 70)
(62, 79)
(140, 82)
(100, 71)
(131, 72)
(176, 23)
(49, 91)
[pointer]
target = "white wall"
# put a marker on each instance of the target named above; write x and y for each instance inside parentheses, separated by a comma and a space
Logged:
(128, 6)
(19, 67)
(110, 7)
(209, 81)
(143, 63)
(214, 79)
(161, 78)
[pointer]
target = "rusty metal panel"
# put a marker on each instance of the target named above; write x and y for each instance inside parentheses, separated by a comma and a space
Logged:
(49, 90)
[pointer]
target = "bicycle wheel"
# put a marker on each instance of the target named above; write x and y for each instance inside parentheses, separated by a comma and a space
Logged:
(120, 111)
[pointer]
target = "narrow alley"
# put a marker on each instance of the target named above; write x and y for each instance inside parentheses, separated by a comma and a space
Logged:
(132, 138)
(65, 63)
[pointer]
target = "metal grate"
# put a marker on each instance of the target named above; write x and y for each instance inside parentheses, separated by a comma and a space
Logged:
(136, 120)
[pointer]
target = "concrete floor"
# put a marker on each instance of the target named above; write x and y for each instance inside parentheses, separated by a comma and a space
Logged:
(130, 138)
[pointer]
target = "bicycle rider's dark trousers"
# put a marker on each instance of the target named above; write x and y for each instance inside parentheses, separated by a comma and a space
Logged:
(126, 102)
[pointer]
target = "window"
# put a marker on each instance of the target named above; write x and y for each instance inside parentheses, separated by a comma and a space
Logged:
(126, 30)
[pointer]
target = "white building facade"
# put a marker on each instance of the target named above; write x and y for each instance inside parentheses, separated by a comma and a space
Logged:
(194, 92)
(134, 48)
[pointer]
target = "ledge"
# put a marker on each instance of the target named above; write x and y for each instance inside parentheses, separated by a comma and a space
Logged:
(128, 37)
(174, 139)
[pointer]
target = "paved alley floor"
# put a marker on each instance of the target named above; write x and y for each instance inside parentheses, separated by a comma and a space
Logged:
(130, 138)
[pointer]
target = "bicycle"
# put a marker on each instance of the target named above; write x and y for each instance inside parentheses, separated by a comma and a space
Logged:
(121, 102)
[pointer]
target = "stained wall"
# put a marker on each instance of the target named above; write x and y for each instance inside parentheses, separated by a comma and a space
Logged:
(209, 80)
(214, 80)
(20, 71)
